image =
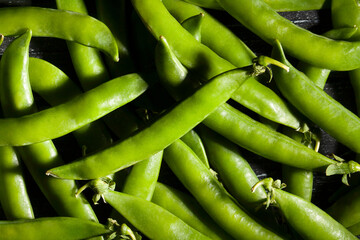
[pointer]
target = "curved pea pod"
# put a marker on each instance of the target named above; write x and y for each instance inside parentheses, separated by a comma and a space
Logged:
(259, 139)
(309, 221)
(142, 179)
(152, 220)
(321, 51)
(47, 22)
(212, 196)
(67, 117)
(187, 208)
(156, 137)
(14, 196)
(194, 141)
(87, 62)
(316, 105)
(51, 228)
(193, 25)
(234, 171)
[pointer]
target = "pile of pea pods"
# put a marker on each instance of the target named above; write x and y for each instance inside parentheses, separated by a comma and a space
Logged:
(179, 119)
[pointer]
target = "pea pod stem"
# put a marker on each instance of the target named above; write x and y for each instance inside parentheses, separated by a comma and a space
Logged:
(302, 214)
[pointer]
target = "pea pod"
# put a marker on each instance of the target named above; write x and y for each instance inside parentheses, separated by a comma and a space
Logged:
(259, 139)
(326, 53)
(65, 25)
(315, 104)
(307, 219)
(205, 100)
(152, 220)
(187, 208)
(142, 178)
(14, 197)
(234, 171)
(51, 228)
(66, 117)
(212, 196)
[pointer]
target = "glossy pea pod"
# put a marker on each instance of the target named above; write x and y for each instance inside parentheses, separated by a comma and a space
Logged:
(315, 104)
(17, 99)
(309, 221)
(66, 117)
(234, 171)
(322, 52)
(51, 228)
(212, 196)
(14, 197)
(198, 58)
(125, 153)
(152, 220)
(299, 181)
(278, 5)
(188, 209)
(66, 25)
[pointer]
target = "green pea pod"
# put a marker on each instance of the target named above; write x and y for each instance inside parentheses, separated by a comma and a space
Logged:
(299, 181)
(234, 171)
(55, 81)
(315, 104)
(51, 228)
(87, 61)
(207, 63)
(193, 140)
(64, 118)
(193, 25)
(152, 220)
(259, 139)
(142, 179)
(307, 219)
(14, 197)
(126, 153)
(261, 19)
(187, 209)
(210, 194)
(66, 25)
(278, 5)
